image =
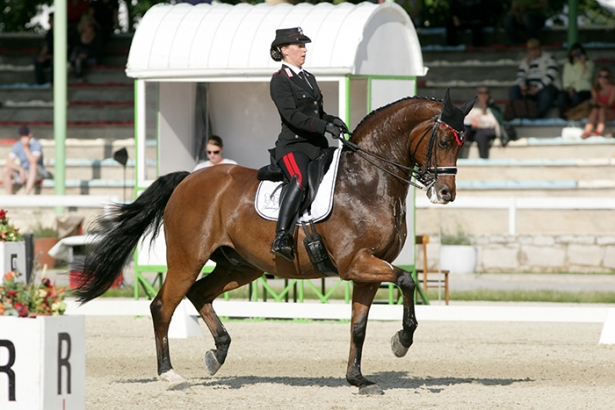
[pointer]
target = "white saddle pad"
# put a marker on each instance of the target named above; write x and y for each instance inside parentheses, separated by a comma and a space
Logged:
(267, 201)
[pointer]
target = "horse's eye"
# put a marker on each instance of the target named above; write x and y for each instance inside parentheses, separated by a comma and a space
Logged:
(444, 143)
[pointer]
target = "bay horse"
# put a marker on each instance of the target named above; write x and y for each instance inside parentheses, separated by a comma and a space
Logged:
(210, 214)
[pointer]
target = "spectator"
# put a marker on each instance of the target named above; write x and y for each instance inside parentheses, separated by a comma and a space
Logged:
(603, 101)
(30, 168)
(472, 14)
(525, 15)
(537, 79)
(576, 79)
(44, 59)
(105, 12)
(75, 9)
(482, 124)
(88, 47)
(215, 150)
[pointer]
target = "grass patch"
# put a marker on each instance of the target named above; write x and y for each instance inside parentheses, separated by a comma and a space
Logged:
(487, 295)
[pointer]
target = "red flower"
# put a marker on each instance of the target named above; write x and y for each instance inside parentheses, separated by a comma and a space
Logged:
(21, 309)
(46, 282)
(2, 213)
(12, 293)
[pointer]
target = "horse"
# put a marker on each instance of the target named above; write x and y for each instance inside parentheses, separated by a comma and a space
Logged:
(210, 214)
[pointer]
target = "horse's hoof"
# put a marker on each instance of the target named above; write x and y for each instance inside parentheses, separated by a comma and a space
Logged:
(211, 362)
(371, 389)
(176, 382)
(398, 349)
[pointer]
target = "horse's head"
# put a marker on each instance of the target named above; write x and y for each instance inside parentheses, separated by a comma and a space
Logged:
(437, 148)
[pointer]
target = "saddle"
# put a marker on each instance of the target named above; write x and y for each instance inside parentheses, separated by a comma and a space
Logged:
(316, 171)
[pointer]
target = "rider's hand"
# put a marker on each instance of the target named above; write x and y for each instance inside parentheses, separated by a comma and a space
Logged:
(338, 121)
(333, 130)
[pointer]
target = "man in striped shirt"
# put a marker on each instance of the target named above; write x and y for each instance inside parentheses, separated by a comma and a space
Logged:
(537, 78)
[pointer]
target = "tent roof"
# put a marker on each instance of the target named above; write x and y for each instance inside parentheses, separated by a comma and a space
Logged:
(217, 41)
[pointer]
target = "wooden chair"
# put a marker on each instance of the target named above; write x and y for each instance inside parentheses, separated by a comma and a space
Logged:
(431, 278)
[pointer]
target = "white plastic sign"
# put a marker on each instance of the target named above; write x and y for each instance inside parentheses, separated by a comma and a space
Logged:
(42, 363)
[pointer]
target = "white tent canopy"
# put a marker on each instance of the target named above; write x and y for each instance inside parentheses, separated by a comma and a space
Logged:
(204, 41)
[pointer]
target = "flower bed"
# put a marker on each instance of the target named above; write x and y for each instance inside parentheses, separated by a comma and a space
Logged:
(24, 300)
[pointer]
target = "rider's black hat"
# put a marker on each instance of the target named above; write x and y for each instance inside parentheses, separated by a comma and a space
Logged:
(289, 36)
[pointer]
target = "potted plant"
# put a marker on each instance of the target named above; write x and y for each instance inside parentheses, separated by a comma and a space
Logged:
(12, 246)
(457, 254)
(45, 238)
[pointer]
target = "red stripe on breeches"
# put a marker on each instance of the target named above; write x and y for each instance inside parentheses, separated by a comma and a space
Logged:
(292, 167)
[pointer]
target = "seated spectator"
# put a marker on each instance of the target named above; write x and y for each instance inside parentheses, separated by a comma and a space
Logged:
(527, 16)
(44, 59)
(603, 102)
(576, 79)
(537, 79)
(87, 47)
(75, 9)
(470, 14)
(482, 124)
(30, 168)
(214, 150)
(105, 12)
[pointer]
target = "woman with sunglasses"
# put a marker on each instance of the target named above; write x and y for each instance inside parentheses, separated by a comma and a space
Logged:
(576, 80)
(214, 150)
(603, 102)
(299, 102)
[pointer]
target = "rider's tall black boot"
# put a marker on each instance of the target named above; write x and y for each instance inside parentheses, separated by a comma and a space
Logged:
(289, 207)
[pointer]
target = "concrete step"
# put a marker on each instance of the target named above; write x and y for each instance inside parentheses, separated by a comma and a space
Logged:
(530, 222)
(76, 93)
(550, 35)
(107, 169)
(74, 114)
(96, 75)
(551, 148)
(530, 170)
(20, 43)
(95, 149)
(79, 132)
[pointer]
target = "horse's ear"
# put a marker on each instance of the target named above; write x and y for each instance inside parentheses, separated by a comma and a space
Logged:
(451, 115)
(447, 103)
(467, 106)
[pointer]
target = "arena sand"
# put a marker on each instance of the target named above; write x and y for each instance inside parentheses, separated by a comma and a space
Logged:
(289, 365)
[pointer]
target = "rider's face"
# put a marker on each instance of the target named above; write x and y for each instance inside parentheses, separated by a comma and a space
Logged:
(295, 54)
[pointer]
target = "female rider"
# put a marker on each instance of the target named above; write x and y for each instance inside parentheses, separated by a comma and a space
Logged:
(299, 101)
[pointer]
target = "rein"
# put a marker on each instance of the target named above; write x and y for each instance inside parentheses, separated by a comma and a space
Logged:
(426, 176)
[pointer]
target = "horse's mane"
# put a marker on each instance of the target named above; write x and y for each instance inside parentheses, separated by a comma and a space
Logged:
(384, 107)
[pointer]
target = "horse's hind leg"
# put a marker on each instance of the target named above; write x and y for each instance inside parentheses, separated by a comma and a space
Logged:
(175, 286)
(223, 279)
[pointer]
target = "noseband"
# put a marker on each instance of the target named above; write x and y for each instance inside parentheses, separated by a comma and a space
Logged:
(426, 176)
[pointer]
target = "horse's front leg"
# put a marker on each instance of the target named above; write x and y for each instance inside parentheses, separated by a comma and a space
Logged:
(362, 298)
(367, 272)
(402, 340)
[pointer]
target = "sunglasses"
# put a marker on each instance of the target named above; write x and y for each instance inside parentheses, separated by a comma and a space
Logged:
(483, 92)
(603, 76)
(213, 152)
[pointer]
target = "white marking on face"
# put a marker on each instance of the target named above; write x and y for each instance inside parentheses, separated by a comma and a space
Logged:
(432, 194)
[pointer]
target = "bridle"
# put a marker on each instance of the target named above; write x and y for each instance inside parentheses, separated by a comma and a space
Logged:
(426, 176)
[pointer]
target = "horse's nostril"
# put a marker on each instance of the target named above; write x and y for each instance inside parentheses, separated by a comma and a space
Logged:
(445, 194)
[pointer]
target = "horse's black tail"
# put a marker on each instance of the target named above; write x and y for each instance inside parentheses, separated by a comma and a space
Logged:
(122, 229)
